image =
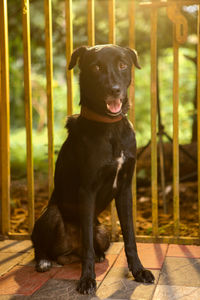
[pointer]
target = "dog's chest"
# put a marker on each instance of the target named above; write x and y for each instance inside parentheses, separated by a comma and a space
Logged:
(121, 147)
(120, 160)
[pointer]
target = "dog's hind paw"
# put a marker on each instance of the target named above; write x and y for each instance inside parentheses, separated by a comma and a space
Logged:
(43, 265)
(99, 258)
(144, 275)
(86, 285)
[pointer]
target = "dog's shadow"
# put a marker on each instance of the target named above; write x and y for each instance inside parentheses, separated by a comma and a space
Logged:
(61, 281)
(58, 282)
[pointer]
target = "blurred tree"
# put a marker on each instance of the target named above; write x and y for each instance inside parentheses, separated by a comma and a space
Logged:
(142, 30)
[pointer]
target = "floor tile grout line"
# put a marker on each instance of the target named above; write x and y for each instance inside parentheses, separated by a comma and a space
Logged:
(23, 256)
(14, 265)
(9, 270)
(156, 284)
(160, 271)
(50, 277)
(117, 256)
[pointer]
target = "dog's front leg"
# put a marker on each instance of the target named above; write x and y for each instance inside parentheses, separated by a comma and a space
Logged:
(124, 209)
(87, 283)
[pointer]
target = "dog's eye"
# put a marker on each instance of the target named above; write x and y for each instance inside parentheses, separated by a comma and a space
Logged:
(122, 66)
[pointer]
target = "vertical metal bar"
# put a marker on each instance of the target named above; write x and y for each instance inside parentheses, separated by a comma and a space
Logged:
(0, 142)
(111, 20)
(49, 78)
(5, 120)
(132, 100)
(69, 50)
(162, 172)
(154, 187)
(198, 107)
(28, 109)
(91, 23)
(111, 15)
(175, 133)
(132, 46)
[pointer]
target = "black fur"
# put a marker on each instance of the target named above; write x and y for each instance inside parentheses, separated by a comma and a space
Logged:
(94, 155)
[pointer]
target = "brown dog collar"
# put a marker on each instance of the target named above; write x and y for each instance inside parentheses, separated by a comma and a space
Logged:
(93, 116)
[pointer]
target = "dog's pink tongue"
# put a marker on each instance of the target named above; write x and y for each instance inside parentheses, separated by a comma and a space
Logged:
(114, 106)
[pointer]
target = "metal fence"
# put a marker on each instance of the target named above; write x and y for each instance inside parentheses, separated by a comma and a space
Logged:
(179, 35)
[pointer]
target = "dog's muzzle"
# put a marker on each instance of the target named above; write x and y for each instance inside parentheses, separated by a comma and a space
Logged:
(114, 106)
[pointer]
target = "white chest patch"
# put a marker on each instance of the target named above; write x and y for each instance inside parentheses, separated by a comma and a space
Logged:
(120, 161)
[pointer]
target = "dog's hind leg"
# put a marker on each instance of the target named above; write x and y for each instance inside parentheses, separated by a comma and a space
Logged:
(66, 259)
(73, 247)
(43, 264)
(47, 233)
(41, 238)
(101, 242)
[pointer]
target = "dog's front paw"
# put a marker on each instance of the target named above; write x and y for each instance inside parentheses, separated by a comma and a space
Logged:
(86, 285)
(144, 275)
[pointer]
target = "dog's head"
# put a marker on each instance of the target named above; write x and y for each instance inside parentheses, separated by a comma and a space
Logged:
(105, 75)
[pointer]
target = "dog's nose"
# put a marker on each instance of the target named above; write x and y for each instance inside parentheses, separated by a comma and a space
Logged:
(115, 89)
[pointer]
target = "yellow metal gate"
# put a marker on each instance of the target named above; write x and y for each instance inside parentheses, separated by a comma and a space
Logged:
(179, 34)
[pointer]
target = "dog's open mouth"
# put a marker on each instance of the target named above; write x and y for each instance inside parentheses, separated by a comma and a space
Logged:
(114, 106)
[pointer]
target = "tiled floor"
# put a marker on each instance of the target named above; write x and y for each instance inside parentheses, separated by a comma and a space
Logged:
(175, 267)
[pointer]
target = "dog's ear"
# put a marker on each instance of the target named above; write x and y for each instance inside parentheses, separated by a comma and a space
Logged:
(77, 55)
(134, 57)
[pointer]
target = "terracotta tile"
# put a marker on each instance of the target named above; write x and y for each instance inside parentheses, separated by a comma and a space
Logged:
(102, 269)
(73, 271)
(23, 280)
(121, 260)
(151, 255)
(115, 248)
(184, 251)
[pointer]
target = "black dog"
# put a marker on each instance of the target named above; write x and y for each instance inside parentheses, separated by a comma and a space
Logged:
(95, 165)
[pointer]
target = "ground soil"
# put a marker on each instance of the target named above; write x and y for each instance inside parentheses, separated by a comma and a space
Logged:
(188, 195)
(188, 208)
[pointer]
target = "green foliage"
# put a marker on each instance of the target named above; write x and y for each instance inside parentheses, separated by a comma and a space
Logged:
(142, 107)
(142, 77)
(40, 150)
(187, 81)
